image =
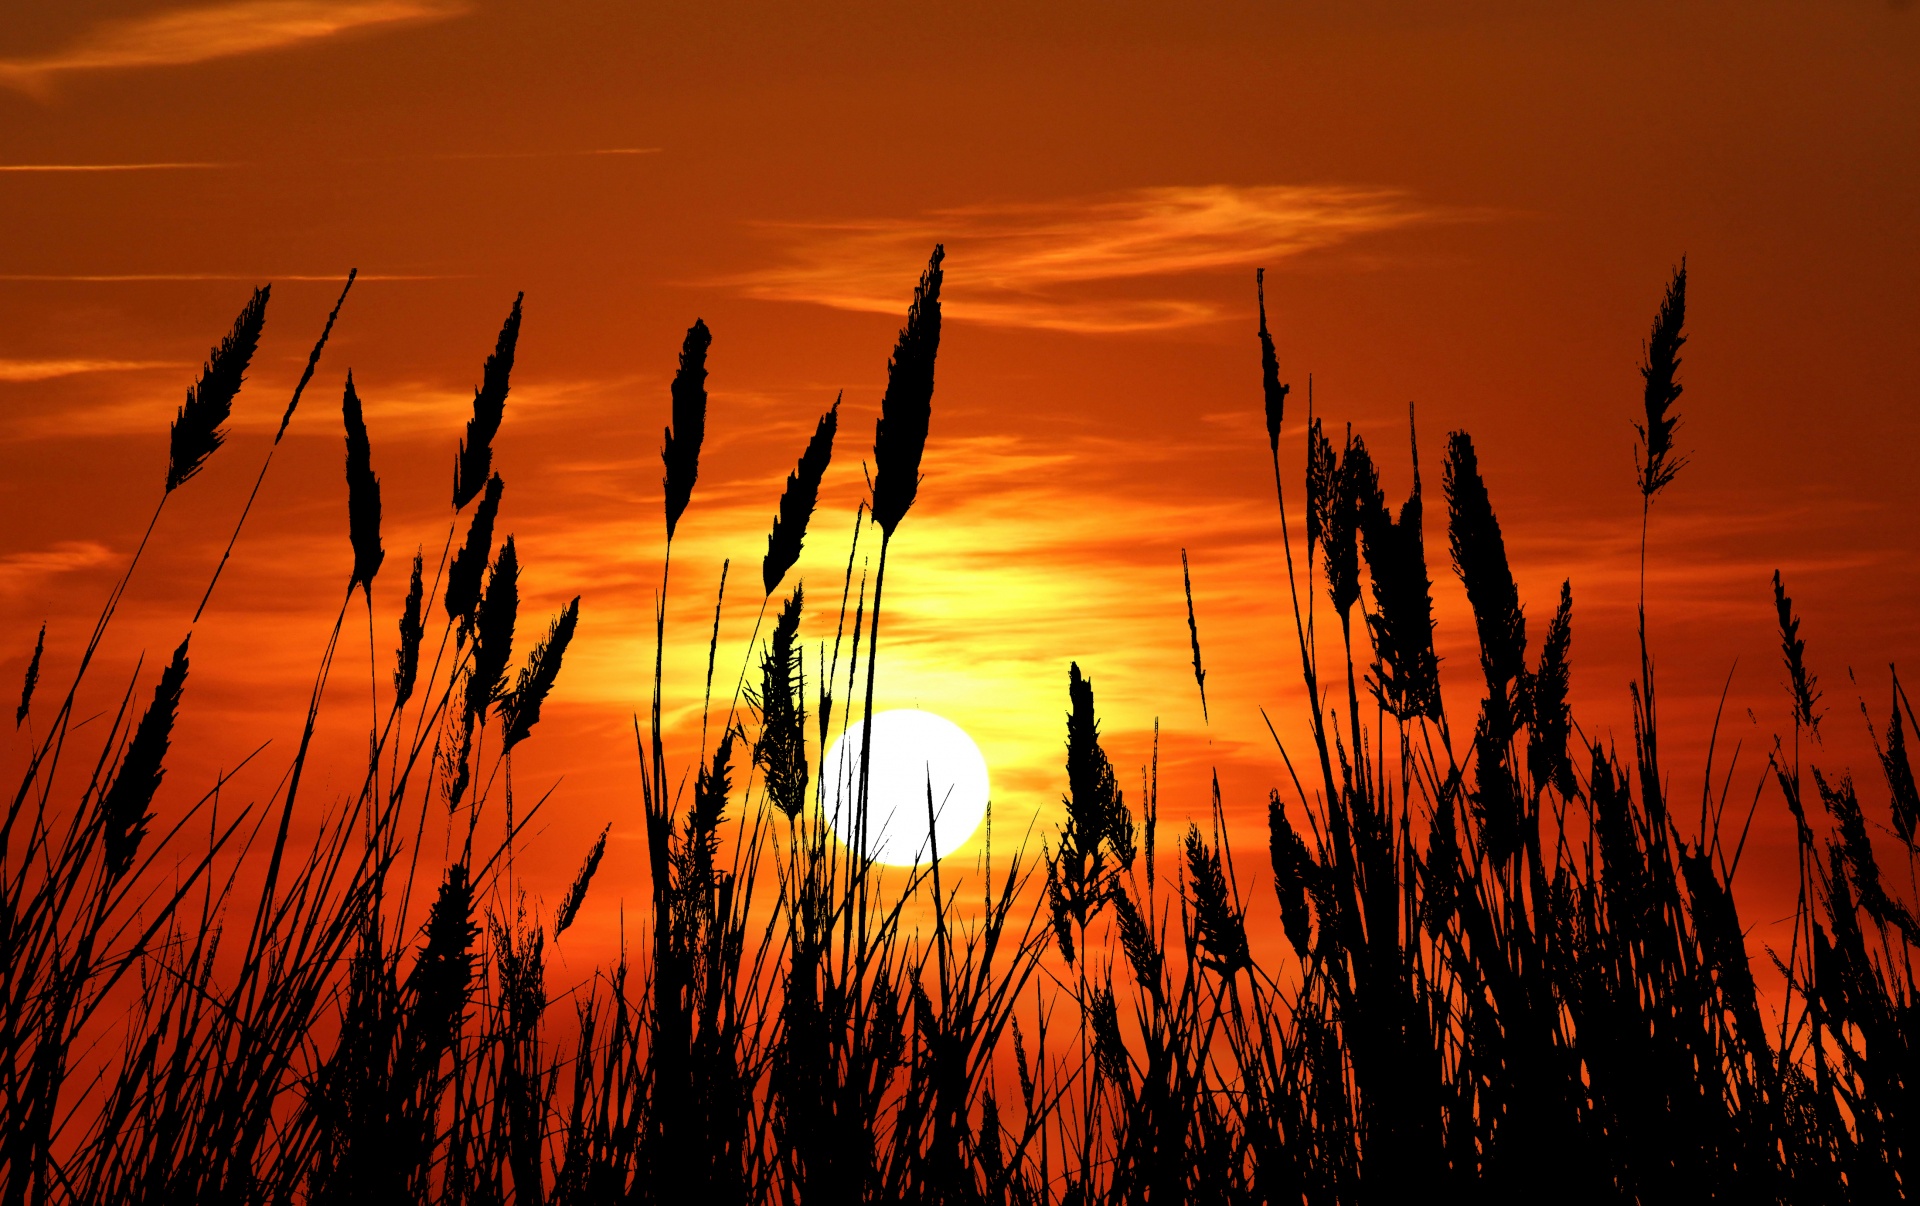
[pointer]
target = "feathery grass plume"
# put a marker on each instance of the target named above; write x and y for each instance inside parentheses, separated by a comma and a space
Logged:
(1843, 804)
(577, 894)
(468, 569)
(1801, 684)
(1109, 1049)
(406, 663)
(1136, 939)
(797, 501)
(1442, 878)
(1549, 722)
(1098, 823)
(1480, 558)
(1270, 387)
(1322, 483)
(196, 427)
(493, 632)
(521, 709)
(1293, 871)
(1657, 461)
(681, 452)
(781, 751)
(1899, 771)
(363, 495)
(1219, 927)
(443, 973)
(1058, 910)
(1193, 631)
(701, 845)
(1717, 923)
(1354, 492)
(475, 461)
(124, 808)
(456, 763)
(900, 436)
(33, 679)
(1406, 672)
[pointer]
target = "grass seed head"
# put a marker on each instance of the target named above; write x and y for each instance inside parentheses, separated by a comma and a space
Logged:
(406, 663)
(1899, 771)
(577, 894)
(900, 436)
(493, 632)
(681, 452)
(197, 426)
(363, 494)
(1549, 721)
(1802, 686)
(475, 462)
(1272, 391)
(797, 502)
(1480, 558)
(33, 678)
(126, 808)
(469, 567)
(521, 709)
(781, 751)
(1658, 461)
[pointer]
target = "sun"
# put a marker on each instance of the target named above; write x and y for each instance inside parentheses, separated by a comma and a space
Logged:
(913, 752)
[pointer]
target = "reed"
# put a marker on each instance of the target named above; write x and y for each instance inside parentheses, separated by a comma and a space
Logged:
(1508, 969)
(473, 467)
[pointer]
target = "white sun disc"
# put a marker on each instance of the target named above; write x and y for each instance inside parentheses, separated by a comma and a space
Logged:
(914, 752)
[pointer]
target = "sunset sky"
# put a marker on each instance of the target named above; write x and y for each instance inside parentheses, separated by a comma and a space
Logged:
(1473, 212)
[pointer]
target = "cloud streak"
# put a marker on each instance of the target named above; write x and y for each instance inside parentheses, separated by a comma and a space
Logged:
(182, 36)
(1058, 265)
(107, 167)
(46, 370)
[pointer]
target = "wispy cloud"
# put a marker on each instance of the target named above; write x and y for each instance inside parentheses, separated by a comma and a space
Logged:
(214, 31)
(1058, 264)
(586, 154)
(107, 167)
(22, 570)
(46, 370)
(138, 277)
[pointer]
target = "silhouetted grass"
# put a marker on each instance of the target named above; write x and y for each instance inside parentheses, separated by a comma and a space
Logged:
(1513, 976)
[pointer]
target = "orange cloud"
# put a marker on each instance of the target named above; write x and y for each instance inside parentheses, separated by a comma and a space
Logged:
(214, 31)
(105, 167)
(1032, 264)
(46, 370)
(19, 571)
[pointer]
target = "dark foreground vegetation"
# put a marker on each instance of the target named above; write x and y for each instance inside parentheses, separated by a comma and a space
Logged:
(1517, 972)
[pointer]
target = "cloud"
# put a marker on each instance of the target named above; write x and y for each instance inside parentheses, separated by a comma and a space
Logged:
(256, 277)
(214, 31)
(106, 167)
(20, 571)
(1056, 265)
(46, 370)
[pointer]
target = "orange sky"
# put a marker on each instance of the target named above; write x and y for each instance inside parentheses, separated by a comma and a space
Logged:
(1473, 212)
